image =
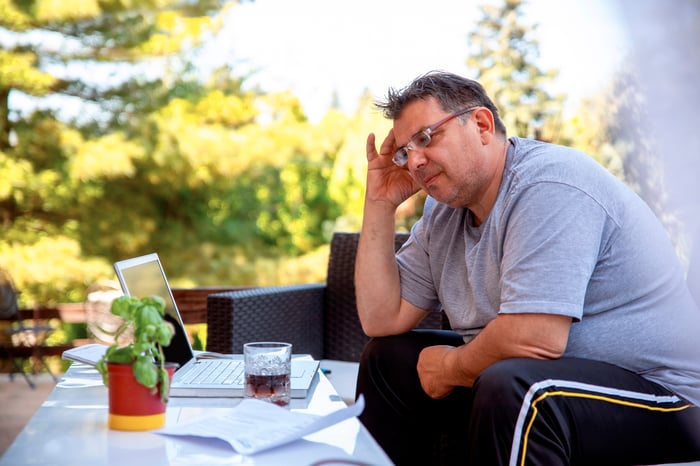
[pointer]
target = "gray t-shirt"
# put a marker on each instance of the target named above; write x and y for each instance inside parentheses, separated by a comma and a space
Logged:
(564, 237)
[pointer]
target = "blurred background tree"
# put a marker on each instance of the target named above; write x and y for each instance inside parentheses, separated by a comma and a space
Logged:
(504, 56)
(89, 79)
(119, 147)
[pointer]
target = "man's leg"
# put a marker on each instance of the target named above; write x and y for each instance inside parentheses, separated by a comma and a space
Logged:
(578, 412)
(405, 421)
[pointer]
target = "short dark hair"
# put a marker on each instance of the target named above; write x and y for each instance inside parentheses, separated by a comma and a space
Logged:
(452, 91)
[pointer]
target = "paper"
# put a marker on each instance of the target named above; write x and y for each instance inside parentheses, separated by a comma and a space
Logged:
(87, 354)
(254, 425)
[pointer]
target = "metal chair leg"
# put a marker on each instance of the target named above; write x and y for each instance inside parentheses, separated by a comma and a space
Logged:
(18, 369)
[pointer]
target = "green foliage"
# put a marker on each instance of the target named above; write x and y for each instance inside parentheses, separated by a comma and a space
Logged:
(235, 176)
(49, 269)
(151, 334)
(505, 59)
(18, 70)
(84, 38)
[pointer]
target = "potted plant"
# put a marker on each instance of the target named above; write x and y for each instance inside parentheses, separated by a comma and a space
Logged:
(137, 375)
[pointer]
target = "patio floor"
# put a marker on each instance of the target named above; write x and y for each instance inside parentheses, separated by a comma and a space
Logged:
(19, 403)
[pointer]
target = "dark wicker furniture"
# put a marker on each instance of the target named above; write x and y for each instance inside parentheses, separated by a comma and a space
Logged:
(318, 319)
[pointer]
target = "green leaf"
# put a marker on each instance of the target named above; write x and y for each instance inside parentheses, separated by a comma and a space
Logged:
(148, 315)
(122, 355)
(146, 372)
(141, 347)
(164, 384)
(101, 367)
(121, 307)
(146, 333)
(157, 302)
(164, 335)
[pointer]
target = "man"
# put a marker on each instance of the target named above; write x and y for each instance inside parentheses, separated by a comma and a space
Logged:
(575, 337)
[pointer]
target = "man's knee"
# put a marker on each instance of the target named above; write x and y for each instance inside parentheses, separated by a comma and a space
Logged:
(404, 349)
(496, 374)
(386, 358)
(382, 347)
(503, 385)
(388, 365)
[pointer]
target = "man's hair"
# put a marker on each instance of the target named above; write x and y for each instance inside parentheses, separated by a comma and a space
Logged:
(452, 91)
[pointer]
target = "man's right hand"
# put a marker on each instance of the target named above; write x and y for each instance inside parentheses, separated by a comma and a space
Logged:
(386, 181)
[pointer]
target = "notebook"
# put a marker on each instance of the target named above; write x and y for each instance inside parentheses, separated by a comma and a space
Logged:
(198, 377)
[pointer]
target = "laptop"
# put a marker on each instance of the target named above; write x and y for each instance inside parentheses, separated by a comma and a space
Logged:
(198, 377)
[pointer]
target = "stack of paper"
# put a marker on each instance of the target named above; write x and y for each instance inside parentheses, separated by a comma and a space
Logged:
(255, 425)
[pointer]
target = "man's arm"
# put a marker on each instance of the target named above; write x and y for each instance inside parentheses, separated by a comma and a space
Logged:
(381, 309)
(538, 336)
(377, 286)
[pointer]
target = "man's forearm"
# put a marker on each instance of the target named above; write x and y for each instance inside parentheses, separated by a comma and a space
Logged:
(377, 286)
(537, 336)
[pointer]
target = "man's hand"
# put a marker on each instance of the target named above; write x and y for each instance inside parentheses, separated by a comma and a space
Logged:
(386, 181)
(433, 372)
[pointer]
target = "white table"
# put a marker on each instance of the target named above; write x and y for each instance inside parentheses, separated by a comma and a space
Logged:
(71, 428)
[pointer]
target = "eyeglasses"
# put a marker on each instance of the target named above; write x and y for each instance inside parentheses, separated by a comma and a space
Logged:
(421, 139)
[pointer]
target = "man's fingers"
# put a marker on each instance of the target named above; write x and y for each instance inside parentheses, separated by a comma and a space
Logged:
(389, 144)
(371, 147)
(386, 150)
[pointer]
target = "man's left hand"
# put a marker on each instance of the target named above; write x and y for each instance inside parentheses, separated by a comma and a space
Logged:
(433, 372)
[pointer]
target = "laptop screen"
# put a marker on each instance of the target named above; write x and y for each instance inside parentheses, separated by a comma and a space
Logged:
(144, 276)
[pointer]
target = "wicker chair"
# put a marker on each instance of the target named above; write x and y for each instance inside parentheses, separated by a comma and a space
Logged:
(318, 319)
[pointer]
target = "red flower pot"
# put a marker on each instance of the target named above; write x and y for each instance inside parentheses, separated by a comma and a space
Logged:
(131, 405)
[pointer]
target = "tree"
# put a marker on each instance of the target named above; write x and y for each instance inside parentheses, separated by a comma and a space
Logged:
(504, 57)
(113, 61)
(224, 183)
(67, 48)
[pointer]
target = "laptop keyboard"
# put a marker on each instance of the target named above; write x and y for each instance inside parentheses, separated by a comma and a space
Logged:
(215, 371)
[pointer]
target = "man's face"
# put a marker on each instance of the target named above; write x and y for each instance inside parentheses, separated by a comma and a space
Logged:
(451, 168)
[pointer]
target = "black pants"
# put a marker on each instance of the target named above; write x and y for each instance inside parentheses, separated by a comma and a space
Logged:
(522, 412)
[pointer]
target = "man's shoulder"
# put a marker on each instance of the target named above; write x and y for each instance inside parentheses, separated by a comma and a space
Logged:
(531, 152)
(537, 161)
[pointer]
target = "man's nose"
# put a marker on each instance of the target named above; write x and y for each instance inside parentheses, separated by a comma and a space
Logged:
(416, 158)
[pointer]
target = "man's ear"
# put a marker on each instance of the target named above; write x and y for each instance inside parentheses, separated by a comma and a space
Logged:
(485, 123)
